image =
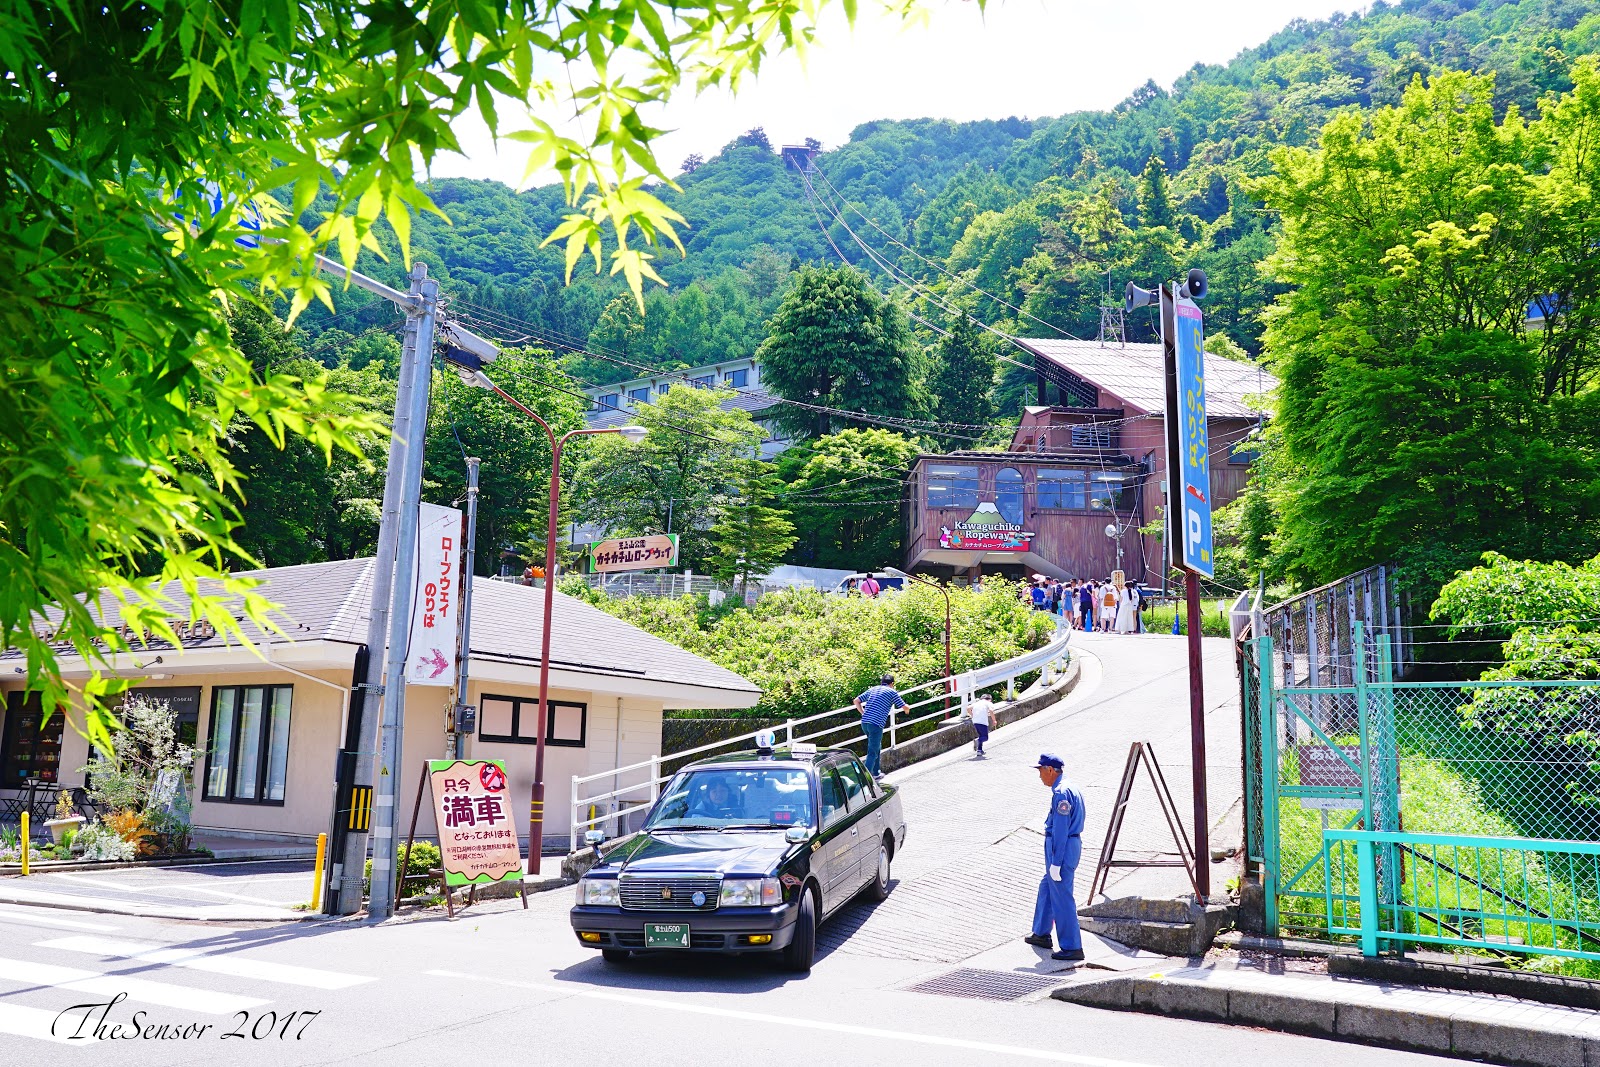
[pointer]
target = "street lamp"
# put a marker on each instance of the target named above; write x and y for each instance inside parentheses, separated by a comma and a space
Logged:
(471, 371)
(898, 573)
(1114, 528)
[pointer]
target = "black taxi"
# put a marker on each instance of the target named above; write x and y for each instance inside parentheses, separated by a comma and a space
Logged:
(744, 853)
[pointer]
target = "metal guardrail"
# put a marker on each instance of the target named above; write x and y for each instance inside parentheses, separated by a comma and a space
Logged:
(1447, 903)
(645, 777)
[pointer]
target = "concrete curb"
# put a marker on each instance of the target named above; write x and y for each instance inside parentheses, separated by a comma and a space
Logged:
(1502, 981)
(1441, 1033)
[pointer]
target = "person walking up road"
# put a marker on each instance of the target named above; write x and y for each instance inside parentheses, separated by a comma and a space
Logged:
(875, 706)
(981, 712)
(1063, 847)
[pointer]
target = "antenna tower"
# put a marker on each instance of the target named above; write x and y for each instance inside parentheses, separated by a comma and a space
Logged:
(1111, 317)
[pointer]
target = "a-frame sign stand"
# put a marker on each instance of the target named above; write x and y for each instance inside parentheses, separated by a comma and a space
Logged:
(1141, 753)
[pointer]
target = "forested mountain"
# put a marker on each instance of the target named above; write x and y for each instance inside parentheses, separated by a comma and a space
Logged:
(1042, 215)
(1028, 225)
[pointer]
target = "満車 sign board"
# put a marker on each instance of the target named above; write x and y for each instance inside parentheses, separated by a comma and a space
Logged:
(435, 621)
(631, 554)
(472, 808)
(1188, 443)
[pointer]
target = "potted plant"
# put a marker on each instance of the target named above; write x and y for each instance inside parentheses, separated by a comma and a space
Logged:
(66, 821)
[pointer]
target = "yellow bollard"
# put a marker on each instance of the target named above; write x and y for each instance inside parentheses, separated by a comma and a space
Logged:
(316, 886)
(25, 833)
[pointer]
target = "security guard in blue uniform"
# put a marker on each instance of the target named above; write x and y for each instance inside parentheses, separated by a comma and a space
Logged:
(1062, 849)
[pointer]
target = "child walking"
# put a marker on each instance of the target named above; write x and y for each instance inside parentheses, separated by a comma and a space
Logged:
(981, 712)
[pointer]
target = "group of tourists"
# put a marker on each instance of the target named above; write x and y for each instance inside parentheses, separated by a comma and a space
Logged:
(1110, 607)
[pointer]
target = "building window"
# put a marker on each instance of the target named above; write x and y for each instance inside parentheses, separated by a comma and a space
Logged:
(1093, 438)
(1109, 489)
(1008, 494)
(639, 396)
(1062, 487)
(182, 700)
(609, 402)
(247, 754)
(952, 487)
(515, 720)
(32, 745)
(737, 378)
(705, 381)
(664, 388)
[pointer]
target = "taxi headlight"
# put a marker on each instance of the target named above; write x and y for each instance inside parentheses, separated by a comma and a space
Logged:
(597, 891)
(750, 892)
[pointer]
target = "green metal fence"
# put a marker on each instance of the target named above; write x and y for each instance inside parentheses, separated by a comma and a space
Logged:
(1469, 807)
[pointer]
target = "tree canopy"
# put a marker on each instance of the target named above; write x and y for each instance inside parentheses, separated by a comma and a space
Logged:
(1418, 416)
(835, 342)
(139, 147)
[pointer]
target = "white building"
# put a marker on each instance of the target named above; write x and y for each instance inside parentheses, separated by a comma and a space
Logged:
(613, 404)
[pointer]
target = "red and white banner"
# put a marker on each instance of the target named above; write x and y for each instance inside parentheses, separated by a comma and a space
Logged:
(435, 604)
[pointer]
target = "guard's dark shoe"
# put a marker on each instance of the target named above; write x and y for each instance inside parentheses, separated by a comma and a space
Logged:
(1039, 941)
(1073, 954)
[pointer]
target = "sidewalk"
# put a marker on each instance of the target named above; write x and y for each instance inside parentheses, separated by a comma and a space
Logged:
(1469, 1025)
(225, 892)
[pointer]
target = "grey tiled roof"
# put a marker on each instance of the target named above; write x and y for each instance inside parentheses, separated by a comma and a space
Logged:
(1134, 373)
(330, 602)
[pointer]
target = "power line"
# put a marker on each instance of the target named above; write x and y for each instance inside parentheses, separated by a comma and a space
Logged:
(917, 289)
(949, 274)
(886, 421)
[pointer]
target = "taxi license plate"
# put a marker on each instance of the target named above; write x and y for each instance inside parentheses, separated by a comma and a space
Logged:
(666, 935)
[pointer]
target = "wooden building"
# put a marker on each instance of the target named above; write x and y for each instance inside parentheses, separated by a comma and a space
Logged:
(1091, 455)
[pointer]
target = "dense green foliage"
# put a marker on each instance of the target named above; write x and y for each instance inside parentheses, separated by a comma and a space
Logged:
(137, 143)
(680, 479)
(1547, 614)
(844, 492)
(1417, 418)
(834, 342)
(811, 652)
(753, 532)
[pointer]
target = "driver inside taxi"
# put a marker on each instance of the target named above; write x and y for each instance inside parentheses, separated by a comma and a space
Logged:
(717, 801)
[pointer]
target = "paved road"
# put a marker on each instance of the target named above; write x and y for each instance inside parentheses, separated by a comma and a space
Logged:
(508, 986)
(504, 985)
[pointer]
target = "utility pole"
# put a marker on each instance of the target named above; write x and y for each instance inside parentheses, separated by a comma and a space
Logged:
(419, 336)
(352, 856)
(466, 602)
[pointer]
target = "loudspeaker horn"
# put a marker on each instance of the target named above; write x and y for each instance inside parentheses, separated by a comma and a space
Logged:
(1195, 287)
(1135, 297)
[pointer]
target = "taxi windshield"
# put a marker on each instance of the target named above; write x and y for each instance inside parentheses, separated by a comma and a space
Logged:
(715, 798)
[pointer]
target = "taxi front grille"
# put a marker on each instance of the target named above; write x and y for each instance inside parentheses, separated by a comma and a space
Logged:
(668, 894)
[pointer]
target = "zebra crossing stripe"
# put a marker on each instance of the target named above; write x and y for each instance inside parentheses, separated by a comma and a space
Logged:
(30, 1022)
(29, 973)
(201, 960)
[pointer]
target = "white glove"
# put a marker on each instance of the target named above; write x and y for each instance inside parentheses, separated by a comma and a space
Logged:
(1055, 873)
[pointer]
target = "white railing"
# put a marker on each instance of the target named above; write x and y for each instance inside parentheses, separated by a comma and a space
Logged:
(644, 779)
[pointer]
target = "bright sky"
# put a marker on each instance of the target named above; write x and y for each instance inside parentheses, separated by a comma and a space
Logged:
(1028, 58)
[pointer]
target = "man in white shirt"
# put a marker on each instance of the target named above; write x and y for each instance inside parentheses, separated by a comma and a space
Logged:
(981, 712)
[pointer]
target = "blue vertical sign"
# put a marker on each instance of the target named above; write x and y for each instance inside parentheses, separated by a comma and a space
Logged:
(1193, 464)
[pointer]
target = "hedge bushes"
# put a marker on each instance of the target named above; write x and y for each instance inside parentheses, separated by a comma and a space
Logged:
(811, 652)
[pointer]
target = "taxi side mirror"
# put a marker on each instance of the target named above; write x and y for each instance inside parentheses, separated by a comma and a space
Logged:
(797, 835)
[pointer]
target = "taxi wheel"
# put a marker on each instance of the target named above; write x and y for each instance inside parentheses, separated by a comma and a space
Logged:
(803, 949)
(615, 955)
(879, 889)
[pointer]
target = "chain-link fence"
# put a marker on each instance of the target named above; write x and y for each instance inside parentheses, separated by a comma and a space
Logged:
(1478, 803)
